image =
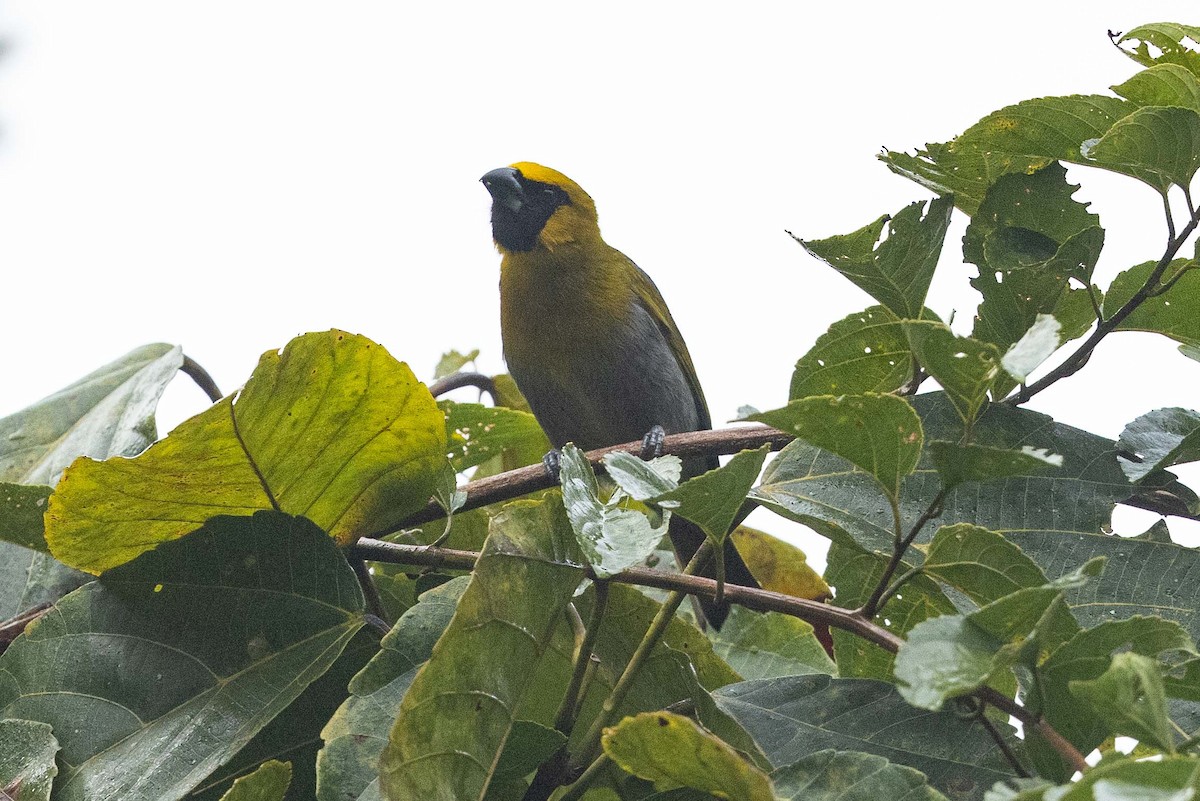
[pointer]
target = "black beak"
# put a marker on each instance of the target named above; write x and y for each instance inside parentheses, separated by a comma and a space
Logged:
(505, 187)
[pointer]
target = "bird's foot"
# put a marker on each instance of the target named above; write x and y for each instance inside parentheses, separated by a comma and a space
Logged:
(552, 463)
(652, 443)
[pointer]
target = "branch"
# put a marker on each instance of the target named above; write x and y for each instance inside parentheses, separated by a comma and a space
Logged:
(483, 383)
(750, 597)
(1075, 362)
(898, 550)
(193, 370)
(524, 480)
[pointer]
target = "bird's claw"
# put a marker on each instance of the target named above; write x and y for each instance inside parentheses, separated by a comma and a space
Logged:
(652, 443)
(552, 463)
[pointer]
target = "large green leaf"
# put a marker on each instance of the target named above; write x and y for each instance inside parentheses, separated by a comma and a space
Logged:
(461, 708)
(897, 271)
(1175, 313)
(850, 776)
(879, 434)
(965, 173)
(107, 413)
(797, 716)
(865, 352)
(27, 750)
(331, 427)
(672, 751)
(356, 734)
(294, 735)
(226, 626)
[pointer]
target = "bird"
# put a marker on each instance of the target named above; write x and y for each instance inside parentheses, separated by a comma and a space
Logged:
(589, 339)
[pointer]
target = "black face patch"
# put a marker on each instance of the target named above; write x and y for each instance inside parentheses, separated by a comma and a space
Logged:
(520, 208)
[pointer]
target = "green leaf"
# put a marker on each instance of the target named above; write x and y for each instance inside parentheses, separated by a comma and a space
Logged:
(979, 563)
(712, 500)
(210, 620)
(1162, 85)
(897, 271)
(460, 709)
(1162, 438)
(1120, 778)
(953, 655)
(477, 433)
(672, 751)
(865, 352)
(294, 735)
(1170, 43)
(959, 464)
(27, 750)
(964, 172)
(794, 717)
(530, 745)
(452, 361)
(850, 776)
(966, 368)
(641, 479)
(945, 657)
(1130, 698)
(1086, 657)
(356, 734)
(21, 509)
(268, 783)
(612, 538)
(1033, 348)
(1174, 314)
(1159, 144)
(765, 645)
(107, 413)
(332, 428)
(879, 434)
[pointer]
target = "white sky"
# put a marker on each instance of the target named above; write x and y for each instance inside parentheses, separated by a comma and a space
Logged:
(227, 175)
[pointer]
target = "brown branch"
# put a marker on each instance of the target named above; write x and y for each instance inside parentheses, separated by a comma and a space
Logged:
(193, 370)
(483, 383)
(524, 480)
(813, 612)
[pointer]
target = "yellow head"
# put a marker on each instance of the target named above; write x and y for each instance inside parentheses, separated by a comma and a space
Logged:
(534, 206)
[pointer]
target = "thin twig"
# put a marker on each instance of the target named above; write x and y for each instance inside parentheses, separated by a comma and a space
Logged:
(1001, 743)
(898, 550)
(193, 370)
(484, 383)
(10, 629)
(581, 785)
(370, 591)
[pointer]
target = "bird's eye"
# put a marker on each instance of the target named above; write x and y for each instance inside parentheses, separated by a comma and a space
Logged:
(549, 190)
